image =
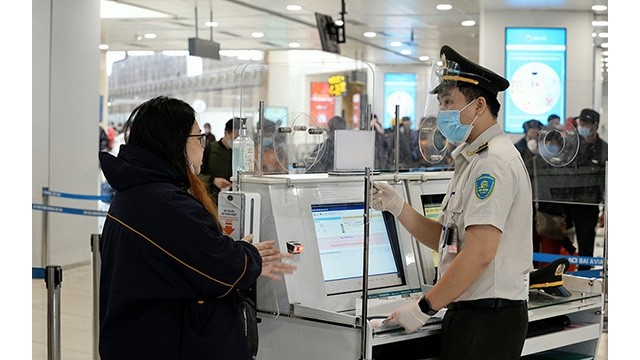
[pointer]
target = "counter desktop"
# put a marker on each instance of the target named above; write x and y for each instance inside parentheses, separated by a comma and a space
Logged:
(316, 313)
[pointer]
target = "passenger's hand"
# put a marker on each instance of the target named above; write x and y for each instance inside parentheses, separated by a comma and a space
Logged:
(384, 197)
(410, 317)
(273, 261)
(221, 183)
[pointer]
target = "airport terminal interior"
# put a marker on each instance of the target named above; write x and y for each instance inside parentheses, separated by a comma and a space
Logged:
(331, 95)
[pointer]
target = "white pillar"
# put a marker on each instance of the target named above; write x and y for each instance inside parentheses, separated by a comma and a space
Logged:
(65, 115)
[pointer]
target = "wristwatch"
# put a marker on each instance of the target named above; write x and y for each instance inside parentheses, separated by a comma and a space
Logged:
(425, 306)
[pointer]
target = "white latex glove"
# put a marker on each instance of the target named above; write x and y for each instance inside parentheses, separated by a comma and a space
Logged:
(409, 317)
(385, 198)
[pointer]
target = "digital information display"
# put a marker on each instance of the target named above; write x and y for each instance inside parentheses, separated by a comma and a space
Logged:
(536, 69)
(399, 89)
(275, 114)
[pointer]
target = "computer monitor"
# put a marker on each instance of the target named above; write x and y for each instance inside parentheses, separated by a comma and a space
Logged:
(339, 230)
(431, 205)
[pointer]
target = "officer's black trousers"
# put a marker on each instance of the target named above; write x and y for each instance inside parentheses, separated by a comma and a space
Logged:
(484, 334)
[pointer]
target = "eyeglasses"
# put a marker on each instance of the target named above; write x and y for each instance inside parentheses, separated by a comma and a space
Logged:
(203, 139)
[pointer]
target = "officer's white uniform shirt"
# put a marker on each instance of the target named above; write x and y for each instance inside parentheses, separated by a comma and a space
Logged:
(491, 186)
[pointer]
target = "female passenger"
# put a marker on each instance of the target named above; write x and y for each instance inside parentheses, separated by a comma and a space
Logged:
(170, 278)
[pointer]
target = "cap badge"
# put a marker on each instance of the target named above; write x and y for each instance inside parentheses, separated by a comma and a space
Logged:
(559, 270)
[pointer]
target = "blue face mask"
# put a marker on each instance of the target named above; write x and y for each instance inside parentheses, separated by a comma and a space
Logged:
(450, 126)
(553, 150)
(584, 131)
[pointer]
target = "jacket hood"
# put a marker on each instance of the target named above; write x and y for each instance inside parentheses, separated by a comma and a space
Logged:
(137, 166)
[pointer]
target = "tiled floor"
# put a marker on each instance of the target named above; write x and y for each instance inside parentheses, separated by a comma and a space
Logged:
(76, 315)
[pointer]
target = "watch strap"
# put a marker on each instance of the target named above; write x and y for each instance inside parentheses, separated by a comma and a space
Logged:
(425, 306)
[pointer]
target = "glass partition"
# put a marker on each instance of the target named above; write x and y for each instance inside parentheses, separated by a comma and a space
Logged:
(303, 103)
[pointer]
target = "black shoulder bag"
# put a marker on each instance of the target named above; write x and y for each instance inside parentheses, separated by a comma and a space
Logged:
(249, 314)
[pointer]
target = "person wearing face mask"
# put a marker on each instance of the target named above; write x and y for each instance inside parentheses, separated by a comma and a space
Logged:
(554, 121)
(528, 148)
(592, 156)
(528, 144)
(485, 247)
(170, 279)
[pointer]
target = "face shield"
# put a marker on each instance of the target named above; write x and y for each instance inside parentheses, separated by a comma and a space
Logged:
(558, 147)
(432, 144)
(444, 76)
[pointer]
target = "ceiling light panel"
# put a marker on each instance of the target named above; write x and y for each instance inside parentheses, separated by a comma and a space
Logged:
(118, 10)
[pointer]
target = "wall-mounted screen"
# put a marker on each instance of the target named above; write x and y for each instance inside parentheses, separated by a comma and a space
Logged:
(399, 89)
(328, 31)
(339, 231)
(535, 66)
(276, 114)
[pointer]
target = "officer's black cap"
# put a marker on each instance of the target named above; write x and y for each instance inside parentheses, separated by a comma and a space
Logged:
(532, 124)
(590, 116)
(470, 73)
(548, 278)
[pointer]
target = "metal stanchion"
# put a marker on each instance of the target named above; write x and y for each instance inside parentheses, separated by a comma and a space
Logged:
(605, 255)
(365, 264)
(260, 136)
(53, 279)
(95, 262)
(45, 228)
(396, 136)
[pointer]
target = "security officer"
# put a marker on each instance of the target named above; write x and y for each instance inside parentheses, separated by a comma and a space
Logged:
(483, 233)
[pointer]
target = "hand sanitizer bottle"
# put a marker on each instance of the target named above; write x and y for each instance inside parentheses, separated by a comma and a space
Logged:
(242, 158)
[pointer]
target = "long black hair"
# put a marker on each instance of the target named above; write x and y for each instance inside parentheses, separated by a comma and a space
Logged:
(161, 125)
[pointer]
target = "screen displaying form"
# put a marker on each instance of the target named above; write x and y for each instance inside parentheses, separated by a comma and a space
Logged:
(339, 230)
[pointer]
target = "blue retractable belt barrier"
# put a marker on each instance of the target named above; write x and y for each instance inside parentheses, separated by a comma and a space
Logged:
(37, 273)
(68, 210)
(574, 260)
(47, 192)
(61, 209)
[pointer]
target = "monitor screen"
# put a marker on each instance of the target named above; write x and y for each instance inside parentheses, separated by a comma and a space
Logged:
(328, 31)
(536, 67)
(431, 205)
(339, 231)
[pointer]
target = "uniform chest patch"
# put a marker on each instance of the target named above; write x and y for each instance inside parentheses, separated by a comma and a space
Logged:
(485, 184)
